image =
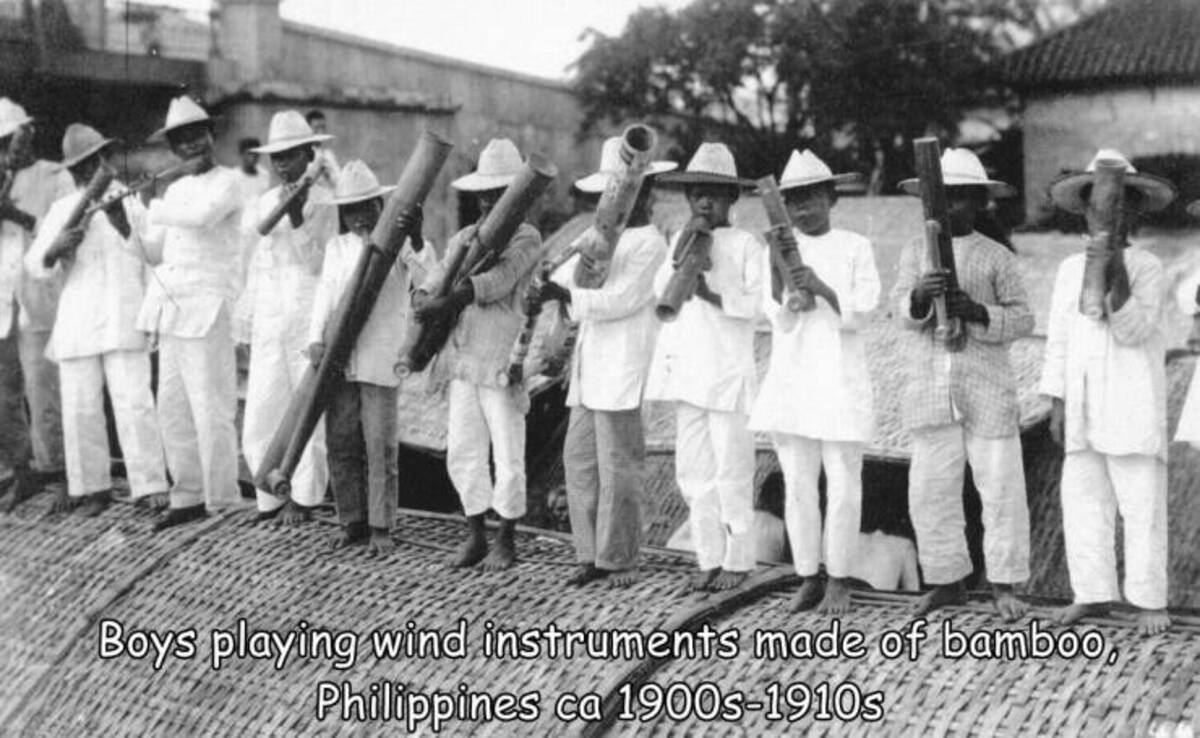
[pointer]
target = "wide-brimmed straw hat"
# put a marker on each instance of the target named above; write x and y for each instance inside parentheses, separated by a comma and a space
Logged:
(962, 168)
(804, 169)
(183, 111)
(12, 117)
(1067, 190)
(610, 164)
(357, 183)
(79, 142)
(711, 164)
(499, 164)
(289, 130)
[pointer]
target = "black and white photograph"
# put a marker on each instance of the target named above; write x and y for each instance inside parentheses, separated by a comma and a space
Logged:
(600, 368)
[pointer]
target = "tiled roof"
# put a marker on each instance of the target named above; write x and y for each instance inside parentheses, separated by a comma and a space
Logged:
(1130, 41)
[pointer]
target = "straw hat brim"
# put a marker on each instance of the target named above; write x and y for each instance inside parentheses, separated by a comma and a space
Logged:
(161, 133)
(994, 187)
(12, 127)
(597, 181)
(476, 182)
(100, 146)
(689, 178)
(359, 197)
(1193, 209)
(836, 179)
(1067, 191)
(291, 143)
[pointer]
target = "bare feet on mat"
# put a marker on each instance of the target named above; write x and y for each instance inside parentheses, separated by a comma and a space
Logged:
(381, 543)
(292, 514)
(351, 534)
(155, 501)
(470, 552)
(624, 578)
(585, 573)
(699, 581)
(64, 502)
(727, 580)
(1152, 622)
(808, 596)
(504, 554)
(941, 596)
(837, 597)
(1073, 613)
(1009, 606)
(178, 516)
(95, 503)
(22, 486)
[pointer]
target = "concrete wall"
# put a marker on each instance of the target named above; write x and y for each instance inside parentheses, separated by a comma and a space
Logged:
(1063, 131)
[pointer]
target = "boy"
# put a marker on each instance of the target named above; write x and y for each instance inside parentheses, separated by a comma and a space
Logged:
(95, 341)
(961, 406)
(483, 413)
(360, 422)
(284, 272)
(1107, 382)
(706, 367)
(604, 451)
(816, 399)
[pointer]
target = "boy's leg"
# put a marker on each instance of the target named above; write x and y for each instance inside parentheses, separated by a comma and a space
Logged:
(695, 473)
(15, 449)
(843, 518)
(999, 475)
(267, 397)
(1140, 486)
(127, 374)
(506, 427)
(1089, 510)
(935, 484)
(621, 445)
(800, 461)
(467, 465)
(378, 411)
(581, 470)
(85, 439)
(347, 461)
(210, 379)
(311, 477)
(733, 447)
(44, 398)
(177, 428)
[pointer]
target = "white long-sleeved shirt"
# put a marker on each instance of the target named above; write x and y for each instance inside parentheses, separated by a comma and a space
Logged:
(818, 383)
(377, 350)
(705, 357)
(35, 188)
(105, 283)
(191, 235)
(1110, 373)
(617, 326)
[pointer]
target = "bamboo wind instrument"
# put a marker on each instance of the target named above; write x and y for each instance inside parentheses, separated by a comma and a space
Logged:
(514, 373)
(938, 238)
(479, 251)
(301, 186)
(691, 257)
(781, 239)
(353, 309)
(1108, 201)
(81, 213)
(143, 183)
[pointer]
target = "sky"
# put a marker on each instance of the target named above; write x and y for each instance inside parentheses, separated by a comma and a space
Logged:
(538, 37)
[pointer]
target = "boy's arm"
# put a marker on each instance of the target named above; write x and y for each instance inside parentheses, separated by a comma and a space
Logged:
(1009, 317)
(324, 300)
(517, 260)
(744, 301)
(1139, 318)
(864, 290)
(214, 204)
(907, 278)
(625, 294)
(48, 229)
(1054, 366)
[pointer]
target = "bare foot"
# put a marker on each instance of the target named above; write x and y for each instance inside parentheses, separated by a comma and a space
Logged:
(20, 488)
(292, 514)
(95, 503)
(155, 501)
(727, 580)
(178, 516)
(1008, 604)
(1073, 613)
(940, 596)
(470, 552)
(837, 597)
(381, 543)
(1152, 622)
(64, 502)
(807, 597)
(700, 580)
(585, 573)
(504, 554)
(624, 578)
(351, 534)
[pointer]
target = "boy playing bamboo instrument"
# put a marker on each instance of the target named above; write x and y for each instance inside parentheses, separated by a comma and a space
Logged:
(483, 413)
(816, 399)
(360, 422)
(961, 406)
(1106, 379)
(705, 366)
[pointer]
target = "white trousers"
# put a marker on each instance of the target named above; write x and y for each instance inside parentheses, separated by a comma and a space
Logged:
(85, 435)
(800, 460)
(481, 417)
(935, 486)
(276, 367)
(714, 468)
(1095, 487)
(197, 403)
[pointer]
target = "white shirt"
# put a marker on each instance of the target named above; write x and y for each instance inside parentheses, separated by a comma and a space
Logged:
(617, 326)
(104, 287)
(192, 235)
(818, 384)
(253, 186)
(377, 350)
(35, 188)
(1110, 373)
(705, 357)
